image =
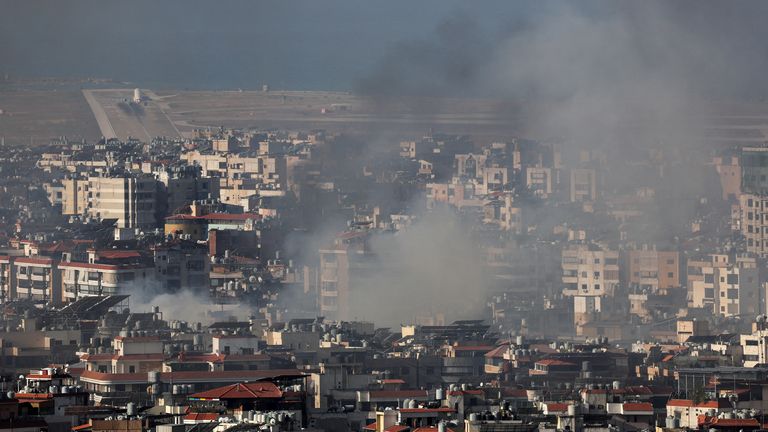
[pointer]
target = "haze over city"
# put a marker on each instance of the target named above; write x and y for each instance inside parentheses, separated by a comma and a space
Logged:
(383, 216)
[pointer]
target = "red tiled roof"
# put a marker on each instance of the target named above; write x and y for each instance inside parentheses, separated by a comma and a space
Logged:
(201, 417)
(557, 407)
(689, 403)
(641, 406)
(396, 428)
(30, 260)
(513, 392)
(33, 396)
(497, 352)
(704, 420)
(82, 427)
(392, 381)
(114, 267)
(370, 426)
(257, 390)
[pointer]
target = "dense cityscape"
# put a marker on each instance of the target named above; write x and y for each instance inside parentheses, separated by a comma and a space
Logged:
(436, 249)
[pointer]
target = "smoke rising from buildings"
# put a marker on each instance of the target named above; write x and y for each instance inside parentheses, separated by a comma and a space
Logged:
(184, 305)
(429, 268)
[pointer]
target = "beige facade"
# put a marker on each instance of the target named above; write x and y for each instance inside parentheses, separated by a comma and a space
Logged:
(754, 223)
(131, 201)
(74, 197)
(539, 180)
(38, 279)
(726, 288)
(583, 185)
(651, 270)
(589, 271)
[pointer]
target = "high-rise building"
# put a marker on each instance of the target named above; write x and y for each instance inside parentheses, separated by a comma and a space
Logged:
(132, 201)
(754, 170)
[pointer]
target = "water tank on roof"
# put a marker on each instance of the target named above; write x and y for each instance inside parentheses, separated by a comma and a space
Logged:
(65, 390)
(473, 417)
(412, 404)
(439, 394)
(616, 385)
(130, 409)
(153, 377)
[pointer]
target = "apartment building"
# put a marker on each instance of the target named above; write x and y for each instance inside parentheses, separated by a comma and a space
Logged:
(74, 197)
(755, 345)
(37, 278)
(185, 184)
(539, 181)
(7, 278)
(132, 201)
(589, 270)
(651, 270)
(106, 272)
(754, 223)
(181, 265)
(503, 212)
(728, 287)
(339, 268)
(583, 185)
(754, 170)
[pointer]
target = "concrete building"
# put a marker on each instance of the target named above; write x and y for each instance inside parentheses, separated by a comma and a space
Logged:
(37, 278)
(132, 201)
(539, 181)
(181, 265)
(339, 269)
(754, 170)
(754, 223)
(583, 185)
(183, 185)
(589, 271)
(651, 270)
(74, 197)
(727, 288)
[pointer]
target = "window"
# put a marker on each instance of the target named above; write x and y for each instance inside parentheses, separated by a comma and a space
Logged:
(597, 287)
(733, 279)
(709, 293)
(709, 278)
(670, 275)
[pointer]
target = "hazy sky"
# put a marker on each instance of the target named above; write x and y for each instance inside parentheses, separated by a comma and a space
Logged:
(331, 44)
(304, 44)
